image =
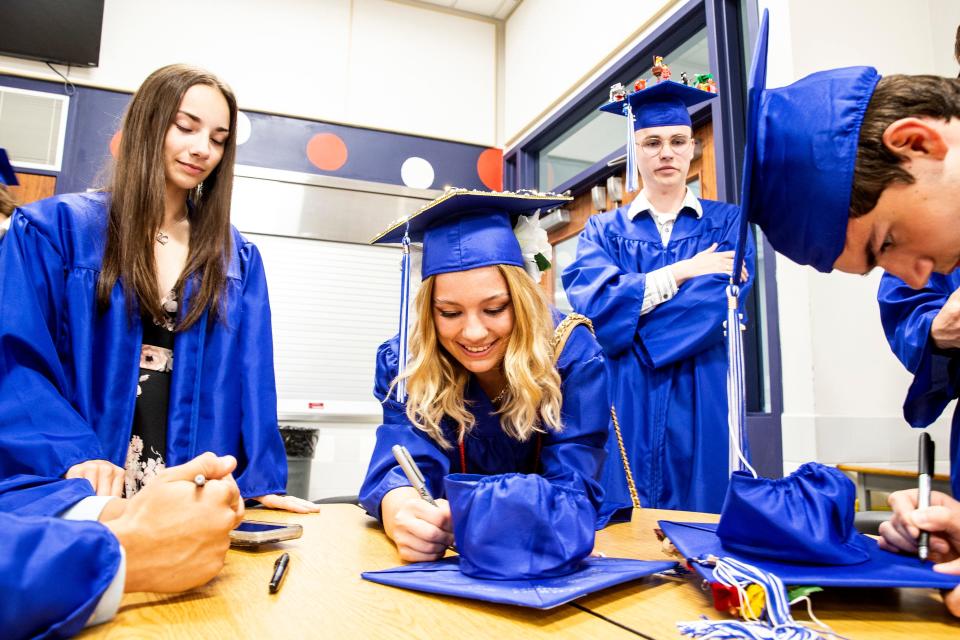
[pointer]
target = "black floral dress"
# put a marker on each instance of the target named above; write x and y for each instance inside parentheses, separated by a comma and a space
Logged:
(148, 440)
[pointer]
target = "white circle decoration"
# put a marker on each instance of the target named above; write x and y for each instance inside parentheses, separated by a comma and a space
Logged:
(243, 127)
(417, 173)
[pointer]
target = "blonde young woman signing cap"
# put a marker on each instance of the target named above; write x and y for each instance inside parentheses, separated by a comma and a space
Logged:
(480, 393)
(100, 290)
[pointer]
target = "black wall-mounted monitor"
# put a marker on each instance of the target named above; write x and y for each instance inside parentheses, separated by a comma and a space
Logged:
(62, 31)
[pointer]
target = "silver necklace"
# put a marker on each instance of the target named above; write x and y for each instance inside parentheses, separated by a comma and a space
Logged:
(162, 237)
(501, 395)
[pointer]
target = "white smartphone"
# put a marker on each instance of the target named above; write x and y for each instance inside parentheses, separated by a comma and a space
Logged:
(252, 533)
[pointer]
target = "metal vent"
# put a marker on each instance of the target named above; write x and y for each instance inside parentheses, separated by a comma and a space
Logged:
(33, 126)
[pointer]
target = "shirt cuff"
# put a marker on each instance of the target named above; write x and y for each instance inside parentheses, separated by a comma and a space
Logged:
(660, 287)
(89, 508)
(110, 600)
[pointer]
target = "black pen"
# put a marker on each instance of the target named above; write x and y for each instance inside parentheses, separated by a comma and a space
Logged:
(924, 479)
(279, 571)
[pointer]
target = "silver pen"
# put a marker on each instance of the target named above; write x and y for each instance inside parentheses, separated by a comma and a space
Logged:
(405, 460)
(924, 478)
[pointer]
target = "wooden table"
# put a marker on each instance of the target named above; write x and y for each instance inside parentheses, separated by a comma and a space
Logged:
(888, 480)
(324, 597)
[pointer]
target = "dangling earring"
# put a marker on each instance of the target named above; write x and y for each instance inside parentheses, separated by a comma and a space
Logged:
(199, 192)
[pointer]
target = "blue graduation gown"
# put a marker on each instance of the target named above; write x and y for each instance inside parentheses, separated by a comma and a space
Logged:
(907, 314)
(668, 367)
(52, 571)
(52, 574)
(571, 458)
(68, 373)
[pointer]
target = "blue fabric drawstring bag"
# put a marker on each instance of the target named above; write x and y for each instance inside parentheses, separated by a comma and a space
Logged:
(516, 526)
(806, 517)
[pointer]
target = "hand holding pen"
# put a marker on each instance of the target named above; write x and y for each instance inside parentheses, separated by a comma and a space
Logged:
(924, 480)
(419, 525)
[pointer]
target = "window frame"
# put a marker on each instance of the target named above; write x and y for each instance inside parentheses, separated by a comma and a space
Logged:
(729, 51)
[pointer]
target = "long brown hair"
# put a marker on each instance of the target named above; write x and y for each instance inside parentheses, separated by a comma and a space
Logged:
(138, 189)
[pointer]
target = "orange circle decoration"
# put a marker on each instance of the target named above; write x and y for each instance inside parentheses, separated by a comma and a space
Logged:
(115, 144)
(327, 151)
(490, 169)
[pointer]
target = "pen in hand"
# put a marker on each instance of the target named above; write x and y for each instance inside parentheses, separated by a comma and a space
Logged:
(924, 479)
(279, 572)
(412, 471)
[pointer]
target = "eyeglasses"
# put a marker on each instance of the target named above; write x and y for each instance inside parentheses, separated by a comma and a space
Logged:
(653, 146)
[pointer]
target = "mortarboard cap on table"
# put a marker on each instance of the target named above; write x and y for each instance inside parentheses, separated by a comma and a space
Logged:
(7, 175)
(800, 528)
(444, 577)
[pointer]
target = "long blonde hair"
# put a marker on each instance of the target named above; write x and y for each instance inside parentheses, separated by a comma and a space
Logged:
(436, 381)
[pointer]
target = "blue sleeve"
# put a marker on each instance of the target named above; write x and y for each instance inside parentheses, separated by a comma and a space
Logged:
(42, 433)
(907, 315)
(383, 473)
(599, 289)
(574, 456)
(266, 468)
(52, 574)
(692, 321)
(36, 496)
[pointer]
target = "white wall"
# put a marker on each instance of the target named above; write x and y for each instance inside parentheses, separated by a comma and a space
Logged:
(554, 47)
(843, 388)
(372, 63)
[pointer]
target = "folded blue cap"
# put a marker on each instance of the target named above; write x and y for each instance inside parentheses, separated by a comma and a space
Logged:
(517, 526)
(463, 230)
(800, 528)
(800, 156)
(445, 577)
(7, 176)
(663, 104)
(806, 517)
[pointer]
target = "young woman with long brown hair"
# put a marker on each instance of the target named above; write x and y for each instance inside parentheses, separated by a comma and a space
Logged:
(100, 290)
(487, 389)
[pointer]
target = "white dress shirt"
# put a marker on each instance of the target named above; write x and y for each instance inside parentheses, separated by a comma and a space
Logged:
(660, 283)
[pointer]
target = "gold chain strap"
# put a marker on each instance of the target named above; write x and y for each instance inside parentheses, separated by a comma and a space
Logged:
(560, 335)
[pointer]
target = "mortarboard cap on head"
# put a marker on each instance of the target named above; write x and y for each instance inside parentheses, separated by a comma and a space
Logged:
(663, 104)
(800, 156)
(7, 176)
(465, 229)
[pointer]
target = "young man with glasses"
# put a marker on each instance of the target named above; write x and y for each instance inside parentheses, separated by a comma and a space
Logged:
(653, 277)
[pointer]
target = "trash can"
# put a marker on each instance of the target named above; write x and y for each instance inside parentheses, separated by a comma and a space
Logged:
(300, 441)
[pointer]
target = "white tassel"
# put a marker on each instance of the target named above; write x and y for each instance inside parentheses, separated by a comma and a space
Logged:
(736, 392)
(632, 182)
(404, 319)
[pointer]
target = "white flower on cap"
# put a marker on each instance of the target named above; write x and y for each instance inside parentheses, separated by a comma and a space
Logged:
(534, 245)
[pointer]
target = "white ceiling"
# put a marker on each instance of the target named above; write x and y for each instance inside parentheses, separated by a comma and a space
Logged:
(496, 9)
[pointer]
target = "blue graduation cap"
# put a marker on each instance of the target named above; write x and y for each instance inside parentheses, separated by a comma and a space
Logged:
(799, 528)
(663, 104)
(461, 230)
(444, 577)
(7, 176)
(800, 156)
(522, 540)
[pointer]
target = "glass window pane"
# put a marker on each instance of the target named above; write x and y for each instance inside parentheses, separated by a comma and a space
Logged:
(599, 133)
(563, 254)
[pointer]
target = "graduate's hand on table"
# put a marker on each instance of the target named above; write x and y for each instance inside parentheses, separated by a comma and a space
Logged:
(945, 328)
(421, 531)
(707, 261)
(106, 477)
(288, 503)
(176, 534)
